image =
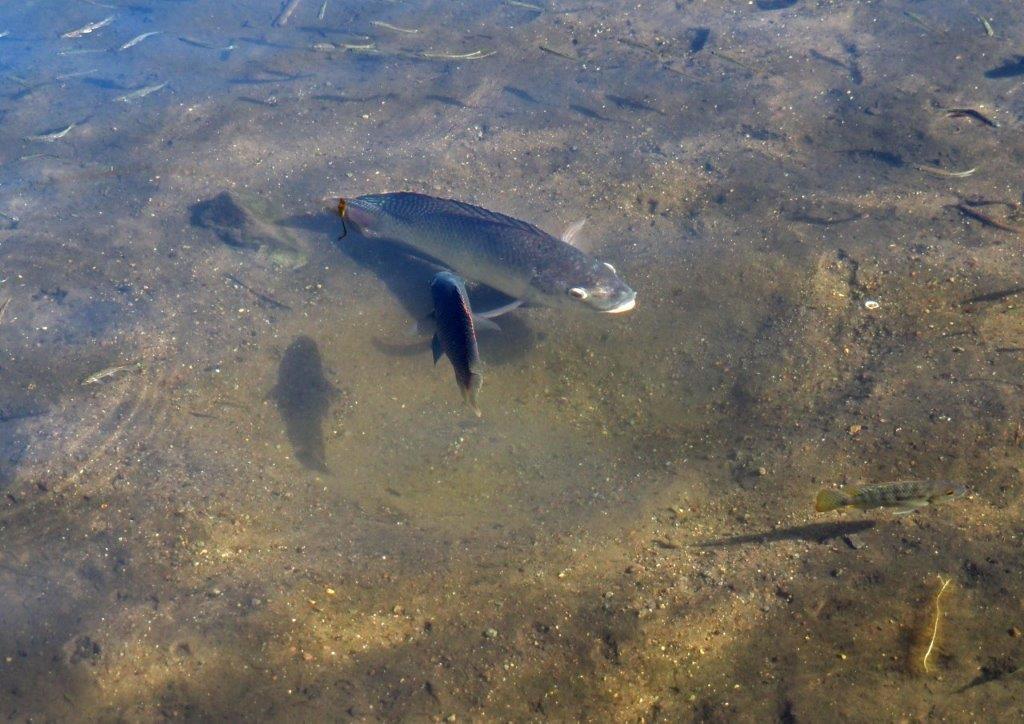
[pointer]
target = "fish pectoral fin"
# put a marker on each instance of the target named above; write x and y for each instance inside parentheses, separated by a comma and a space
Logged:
(572, 233)
(435, 347)
(485, 324)
(423, 327)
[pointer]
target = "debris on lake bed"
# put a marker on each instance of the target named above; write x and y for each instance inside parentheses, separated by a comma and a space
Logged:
(924, 633)
(905, 496)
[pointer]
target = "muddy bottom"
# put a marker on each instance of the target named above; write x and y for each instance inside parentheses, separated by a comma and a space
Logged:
(233, 484)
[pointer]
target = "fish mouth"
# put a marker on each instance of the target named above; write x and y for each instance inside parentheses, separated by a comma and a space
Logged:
(623, 306)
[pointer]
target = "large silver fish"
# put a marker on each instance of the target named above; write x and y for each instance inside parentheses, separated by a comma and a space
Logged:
(507, 254)
(455, 334)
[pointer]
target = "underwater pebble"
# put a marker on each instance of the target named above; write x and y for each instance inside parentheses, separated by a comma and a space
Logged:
(871, 304)
(491, 633)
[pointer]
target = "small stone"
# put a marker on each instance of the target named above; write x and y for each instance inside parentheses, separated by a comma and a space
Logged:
(491, 633)
(1014, 632)
(762, 471)
(854, 429)
(398, 610)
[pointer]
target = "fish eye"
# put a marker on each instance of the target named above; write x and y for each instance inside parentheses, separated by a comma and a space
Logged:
(610, 267)
(578, 293)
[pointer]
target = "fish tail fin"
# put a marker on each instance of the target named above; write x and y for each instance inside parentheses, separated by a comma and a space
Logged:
(471, 391)
(829, 500)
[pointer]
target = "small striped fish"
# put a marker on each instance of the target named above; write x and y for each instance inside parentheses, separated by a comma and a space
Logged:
(906, 496)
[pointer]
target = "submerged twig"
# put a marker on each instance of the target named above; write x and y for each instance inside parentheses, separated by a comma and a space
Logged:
(987, 25)
(265, 298)
(935, 627)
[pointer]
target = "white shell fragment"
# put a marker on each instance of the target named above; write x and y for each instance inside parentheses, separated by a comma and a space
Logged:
(871, 304)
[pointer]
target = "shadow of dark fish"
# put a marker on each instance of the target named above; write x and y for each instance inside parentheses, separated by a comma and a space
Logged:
(303, 396)
(817, 532)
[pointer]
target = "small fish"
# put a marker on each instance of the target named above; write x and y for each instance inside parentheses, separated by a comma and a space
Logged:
(79, 74)
(90, 28)
(474, 55)
(140, 93)
(53, 135)
(984, 218)
(203, 44)
(389, 26)
(526, 6)
(943, 173)
(456, 336)
(507, 254)
(971, 113)
(138, 39)
(989, 31)
(323, 11)
(906, 496)
(5, 33)
(557, 53)
(3, 308)
(109, 373)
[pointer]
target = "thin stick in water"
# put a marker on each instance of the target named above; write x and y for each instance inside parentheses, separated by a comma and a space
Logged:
(935, 628)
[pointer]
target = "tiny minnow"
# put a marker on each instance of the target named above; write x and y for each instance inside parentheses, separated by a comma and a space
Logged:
(140, 93)
(138, 39)
(456, 336)
(907, 496)
(53, 135)
(109, 373)
(91, 27)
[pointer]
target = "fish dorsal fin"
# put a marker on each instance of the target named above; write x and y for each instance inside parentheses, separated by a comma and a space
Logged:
(494, 217)
(571, 235)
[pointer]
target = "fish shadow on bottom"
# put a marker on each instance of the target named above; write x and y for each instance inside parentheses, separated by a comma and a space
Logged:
(304, 396)
(817, 532)
(407, 278)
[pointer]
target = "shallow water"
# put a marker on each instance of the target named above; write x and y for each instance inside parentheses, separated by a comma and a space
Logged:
(278, 507)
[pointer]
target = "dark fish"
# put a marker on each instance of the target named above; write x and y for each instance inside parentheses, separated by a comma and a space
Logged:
(446, 100)
(303, 396)
(1009, 69)
(506, 254)
(586, 112)
(630, 103)
(520, 94)
(889, 159)
(456, 336)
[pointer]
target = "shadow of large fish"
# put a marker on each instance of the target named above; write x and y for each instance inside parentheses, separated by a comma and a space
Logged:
(303, 396)
(507, 254)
